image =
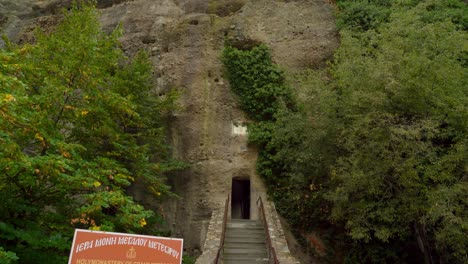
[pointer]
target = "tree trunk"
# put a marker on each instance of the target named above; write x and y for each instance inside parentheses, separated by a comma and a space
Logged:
(420, 233)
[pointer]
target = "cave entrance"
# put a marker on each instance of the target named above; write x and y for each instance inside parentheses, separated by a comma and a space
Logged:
(240, 203)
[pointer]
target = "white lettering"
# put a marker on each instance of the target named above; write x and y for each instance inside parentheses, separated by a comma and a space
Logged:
(107, 241)
(132, 241)
(84, 246)
(163, 248)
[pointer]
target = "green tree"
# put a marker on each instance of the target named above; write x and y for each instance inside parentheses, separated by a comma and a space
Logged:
(363, 15)
(389, 145)
(403, 105)
(375, 147)
(79, 123)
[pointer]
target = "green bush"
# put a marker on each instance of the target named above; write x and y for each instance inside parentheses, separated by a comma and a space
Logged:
(188, 259)
(7, 257)
(362, 15)
(451, 10)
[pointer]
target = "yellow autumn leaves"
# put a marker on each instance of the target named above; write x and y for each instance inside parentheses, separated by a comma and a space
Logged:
(142, 222)
(82, 112)
(8, 98)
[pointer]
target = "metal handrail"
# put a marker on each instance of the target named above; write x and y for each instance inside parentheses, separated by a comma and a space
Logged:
(225, 217)
(271, 250)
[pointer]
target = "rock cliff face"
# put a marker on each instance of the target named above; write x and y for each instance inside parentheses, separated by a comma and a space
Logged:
(185, 39)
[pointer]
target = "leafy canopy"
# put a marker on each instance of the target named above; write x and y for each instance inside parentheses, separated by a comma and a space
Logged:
(373, 155)
(79, 124)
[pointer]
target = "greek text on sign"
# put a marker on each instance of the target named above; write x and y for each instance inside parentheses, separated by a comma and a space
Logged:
(97, 247)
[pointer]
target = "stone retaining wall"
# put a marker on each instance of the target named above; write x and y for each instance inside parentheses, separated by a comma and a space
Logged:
(277, 236)
(213, 236)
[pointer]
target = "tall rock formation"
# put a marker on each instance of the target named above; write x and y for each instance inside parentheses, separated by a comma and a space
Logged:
(185, 39)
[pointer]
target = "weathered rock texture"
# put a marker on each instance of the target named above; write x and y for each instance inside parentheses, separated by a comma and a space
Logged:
(185, 39)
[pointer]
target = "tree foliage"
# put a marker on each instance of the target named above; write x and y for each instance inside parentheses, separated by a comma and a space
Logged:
(79, 124)
(376, 147)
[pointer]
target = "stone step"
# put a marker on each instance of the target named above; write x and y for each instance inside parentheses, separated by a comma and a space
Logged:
(242, 220)
(236, 249)
(245, 257)
(250, 230)
(245, 234)
(251, 240)
(245, 261)
(251, 256)
(245, 245)
(243, 251)
(244, 242)
(244, 226)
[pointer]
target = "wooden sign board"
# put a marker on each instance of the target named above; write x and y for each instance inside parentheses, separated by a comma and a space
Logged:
(97, 247)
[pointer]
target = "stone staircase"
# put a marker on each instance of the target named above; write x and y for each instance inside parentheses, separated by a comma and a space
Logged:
(244, 242)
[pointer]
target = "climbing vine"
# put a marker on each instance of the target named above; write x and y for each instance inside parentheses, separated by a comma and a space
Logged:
(261, 88)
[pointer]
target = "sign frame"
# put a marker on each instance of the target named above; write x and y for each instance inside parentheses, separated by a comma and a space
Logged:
(117, 234)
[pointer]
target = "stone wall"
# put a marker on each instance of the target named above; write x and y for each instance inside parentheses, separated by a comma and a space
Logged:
(278, 239)
(212, 239)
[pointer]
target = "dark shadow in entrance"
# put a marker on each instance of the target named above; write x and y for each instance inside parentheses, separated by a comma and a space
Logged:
(240, 205)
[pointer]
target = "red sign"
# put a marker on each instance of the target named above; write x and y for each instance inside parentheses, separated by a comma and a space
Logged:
(97, 247)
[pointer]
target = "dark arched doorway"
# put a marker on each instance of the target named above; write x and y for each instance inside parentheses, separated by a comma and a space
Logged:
(240, 205)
